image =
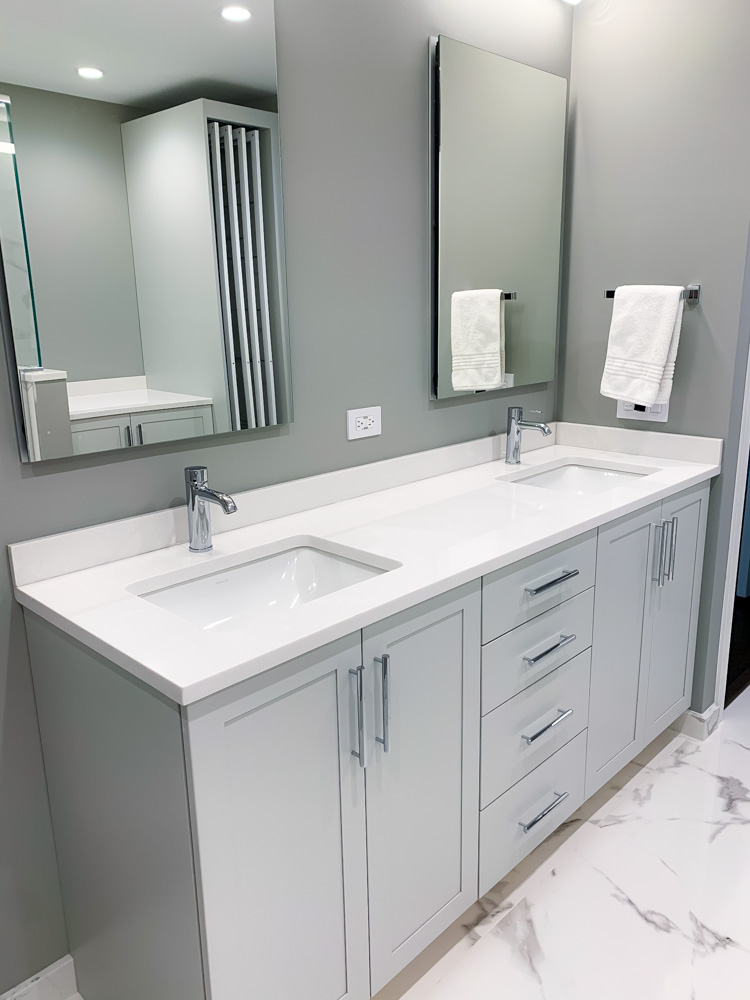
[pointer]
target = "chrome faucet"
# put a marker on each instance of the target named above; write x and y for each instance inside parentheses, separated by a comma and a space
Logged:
(199, 495)
(516, 424)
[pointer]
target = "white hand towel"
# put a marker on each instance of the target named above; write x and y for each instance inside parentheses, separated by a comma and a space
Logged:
(643, 341)
(478, 339)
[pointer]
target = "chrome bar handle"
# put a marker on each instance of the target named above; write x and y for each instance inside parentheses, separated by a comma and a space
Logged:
(673, 548)
(385, 675)
(563, 714)
(128, 436)
(564, 640)
(560, 797)
(140, 433)
(666, 544)
(658, 569)
(567, 574)
(361, 752)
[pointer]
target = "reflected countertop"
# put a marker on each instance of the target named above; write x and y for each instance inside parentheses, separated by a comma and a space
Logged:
(104, 404)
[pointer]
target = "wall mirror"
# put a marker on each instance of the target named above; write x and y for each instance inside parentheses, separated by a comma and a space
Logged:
(498, 151)
(141, 225)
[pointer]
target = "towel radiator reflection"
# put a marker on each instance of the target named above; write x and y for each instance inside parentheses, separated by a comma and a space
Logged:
(237, 183)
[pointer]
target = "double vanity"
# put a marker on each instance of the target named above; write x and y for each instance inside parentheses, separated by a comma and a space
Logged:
(360, 710)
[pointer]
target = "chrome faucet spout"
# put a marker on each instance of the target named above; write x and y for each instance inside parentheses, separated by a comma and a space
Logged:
(199, 494)
(532, 425)
(222, 500)
(516, 424)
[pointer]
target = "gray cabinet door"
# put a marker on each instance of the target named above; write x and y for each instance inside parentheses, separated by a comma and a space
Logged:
(674, 611)
(422, 794)
(101, 434)
(279, 814)
(622, 636)
(156, 426)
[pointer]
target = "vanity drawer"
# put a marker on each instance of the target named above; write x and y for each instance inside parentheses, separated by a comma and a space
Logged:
(556, 785)
(555, 574)
(505, 671)
(549, 713)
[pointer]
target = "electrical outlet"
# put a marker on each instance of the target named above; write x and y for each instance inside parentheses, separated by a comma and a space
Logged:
(363, 423)
(658, 413)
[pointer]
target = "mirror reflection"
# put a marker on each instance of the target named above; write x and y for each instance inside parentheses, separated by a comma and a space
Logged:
(141, 224)
(498, 162)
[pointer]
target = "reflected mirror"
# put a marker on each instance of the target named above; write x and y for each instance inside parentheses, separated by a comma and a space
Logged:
(498, 164)
(141, 224)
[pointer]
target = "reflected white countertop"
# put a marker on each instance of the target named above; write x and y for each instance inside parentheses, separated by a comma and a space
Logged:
(105, 404)
(445, 530)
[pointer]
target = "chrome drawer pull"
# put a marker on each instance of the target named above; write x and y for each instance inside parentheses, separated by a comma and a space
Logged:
(567, 574)
(361, 752)
(564, 640)
(555, 722)
(559, 797)
(385, 667)
(673, 549)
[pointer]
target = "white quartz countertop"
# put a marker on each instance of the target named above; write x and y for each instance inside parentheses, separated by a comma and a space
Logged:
(444, 531)
(105, 404)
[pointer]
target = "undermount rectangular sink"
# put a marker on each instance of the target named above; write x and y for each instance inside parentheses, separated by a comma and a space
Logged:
(582, 479)
(268, 582)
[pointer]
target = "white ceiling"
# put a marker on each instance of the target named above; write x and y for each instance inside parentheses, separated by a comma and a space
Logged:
(152, 52)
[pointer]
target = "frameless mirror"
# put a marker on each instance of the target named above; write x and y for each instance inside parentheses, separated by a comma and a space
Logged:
(498, 164)
(141, 224)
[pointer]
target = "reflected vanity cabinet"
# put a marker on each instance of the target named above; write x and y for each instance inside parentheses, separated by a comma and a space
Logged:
(367, 792)
(126, 430)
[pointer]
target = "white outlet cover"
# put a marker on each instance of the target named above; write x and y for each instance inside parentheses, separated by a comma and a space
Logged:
(363, 423)
(657, 414)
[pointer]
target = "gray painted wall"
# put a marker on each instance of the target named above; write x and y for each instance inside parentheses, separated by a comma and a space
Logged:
(659, 192)
(353, 113)
(75, 205)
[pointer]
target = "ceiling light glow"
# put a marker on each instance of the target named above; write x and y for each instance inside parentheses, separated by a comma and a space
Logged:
(90, 73)
(573, 3)
(236, 14)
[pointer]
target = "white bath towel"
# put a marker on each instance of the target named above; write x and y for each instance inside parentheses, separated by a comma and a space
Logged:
(643, 341)
(478, 339)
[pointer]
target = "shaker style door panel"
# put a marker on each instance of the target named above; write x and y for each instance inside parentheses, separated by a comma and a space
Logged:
(279, 816)
(422, 784)
(621, 642)
(674, 609)
(101, 434)
(171, 425)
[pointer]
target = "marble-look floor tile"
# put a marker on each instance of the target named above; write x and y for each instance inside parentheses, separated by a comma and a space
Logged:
(643, 895)
(448, 952)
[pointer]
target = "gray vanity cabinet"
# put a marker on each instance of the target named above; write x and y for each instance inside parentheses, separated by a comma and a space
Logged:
(279, 811)
(290, 825)
(422, 679)
(648, 576)
(620, 645)
(335, 800)
(673, 611)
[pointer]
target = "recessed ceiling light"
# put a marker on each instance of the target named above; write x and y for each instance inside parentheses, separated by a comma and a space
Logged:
(236, 14)
(573, 2)
(90, 73)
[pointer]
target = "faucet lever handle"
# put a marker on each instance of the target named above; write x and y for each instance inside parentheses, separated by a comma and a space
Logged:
(535, 411)
(196, 475)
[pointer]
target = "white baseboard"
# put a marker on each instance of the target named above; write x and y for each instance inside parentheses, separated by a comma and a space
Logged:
(58, 982)
(698, 726)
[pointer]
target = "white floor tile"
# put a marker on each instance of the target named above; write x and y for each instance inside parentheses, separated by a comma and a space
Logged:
(643, 893)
